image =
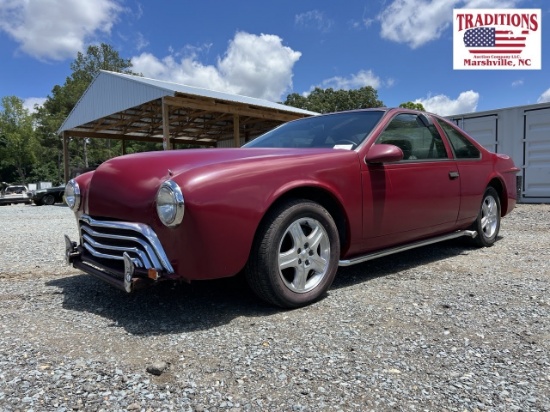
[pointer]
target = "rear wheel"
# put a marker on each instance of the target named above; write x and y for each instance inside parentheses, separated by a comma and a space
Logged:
(48, 200)
(487, 224)
(295, 255)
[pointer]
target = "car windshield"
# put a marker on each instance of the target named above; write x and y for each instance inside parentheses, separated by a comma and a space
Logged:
(344, 130)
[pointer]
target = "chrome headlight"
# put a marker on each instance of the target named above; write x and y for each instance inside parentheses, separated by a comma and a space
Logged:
(170, 204)
(72, 195)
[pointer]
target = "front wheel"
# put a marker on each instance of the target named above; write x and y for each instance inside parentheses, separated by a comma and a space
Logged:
(295, 255)
(487, 224)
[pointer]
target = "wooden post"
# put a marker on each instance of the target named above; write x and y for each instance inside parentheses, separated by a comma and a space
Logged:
(65, 157)
(236, 135)
(165, 126)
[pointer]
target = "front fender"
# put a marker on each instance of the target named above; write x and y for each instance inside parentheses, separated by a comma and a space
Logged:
(224, 205)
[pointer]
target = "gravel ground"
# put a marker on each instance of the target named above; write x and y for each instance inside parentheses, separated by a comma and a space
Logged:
(442, 328)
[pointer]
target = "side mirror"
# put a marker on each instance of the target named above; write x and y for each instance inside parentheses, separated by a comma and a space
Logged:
(384, 153)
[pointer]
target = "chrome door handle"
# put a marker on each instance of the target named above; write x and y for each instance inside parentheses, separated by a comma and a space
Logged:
(454, 175)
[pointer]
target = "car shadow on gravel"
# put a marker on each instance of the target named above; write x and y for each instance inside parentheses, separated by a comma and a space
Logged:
(407, 260)
(169, 308)
(166, 308)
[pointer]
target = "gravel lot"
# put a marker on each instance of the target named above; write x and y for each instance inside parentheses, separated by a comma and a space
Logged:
(442, 328)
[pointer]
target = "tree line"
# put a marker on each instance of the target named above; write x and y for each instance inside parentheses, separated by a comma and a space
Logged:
(31, 150)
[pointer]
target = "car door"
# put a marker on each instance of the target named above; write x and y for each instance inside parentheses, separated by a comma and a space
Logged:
(471, 166)
(415, 197)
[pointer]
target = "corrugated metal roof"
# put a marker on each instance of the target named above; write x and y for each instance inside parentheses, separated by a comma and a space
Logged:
(115, 92)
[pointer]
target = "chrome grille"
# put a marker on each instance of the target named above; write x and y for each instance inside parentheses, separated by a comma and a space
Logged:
(107, 241)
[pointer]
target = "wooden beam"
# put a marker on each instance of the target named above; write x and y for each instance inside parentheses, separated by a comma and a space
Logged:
(165, 125)
(209, 143)
(236, 133)
(82, 134)
(211, 105)
(152, 139)
(65, 157)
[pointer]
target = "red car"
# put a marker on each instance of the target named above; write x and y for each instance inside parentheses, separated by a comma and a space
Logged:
(291, 206)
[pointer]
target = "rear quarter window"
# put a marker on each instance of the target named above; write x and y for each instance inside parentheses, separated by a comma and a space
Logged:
(462, 147)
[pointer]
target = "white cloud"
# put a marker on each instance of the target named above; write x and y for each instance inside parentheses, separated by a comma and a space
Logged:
(545, 97)
(56, 29)
(417, 22)
(367, 19)
(140, 41)
(517, 83)
(314, 19)
(255, 66)
(30, 102)
(361, 79)
(445, 106)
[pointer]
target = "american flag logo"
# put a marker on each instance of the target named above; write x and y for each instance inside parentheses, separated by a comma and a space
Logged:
(487, 40)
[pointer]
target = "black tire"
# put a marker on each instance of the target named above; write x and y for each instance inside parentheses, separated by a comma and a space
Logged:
(487, 224)
(48, 200)
(309, 269)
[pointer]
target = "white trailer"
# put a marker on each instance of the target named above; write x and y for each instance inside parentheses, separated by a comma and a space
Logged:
(523, 133)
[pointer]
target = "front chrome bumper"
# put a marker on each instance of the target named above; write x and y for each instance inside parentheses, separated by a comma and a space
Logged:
(123, 254)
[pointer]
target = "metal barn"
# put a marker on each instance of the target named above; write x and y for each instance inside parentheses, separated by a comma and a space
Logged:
(126, 107)
(523, 133)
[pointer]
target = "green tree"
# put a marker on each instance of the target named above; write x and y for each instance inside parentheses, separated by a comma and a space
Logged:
(330, 100)
(17, 141)
(59, 104)
(412, 106)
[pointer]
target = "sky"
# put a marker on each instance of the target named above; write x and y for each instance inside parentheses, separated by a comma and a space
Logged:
(402, 48)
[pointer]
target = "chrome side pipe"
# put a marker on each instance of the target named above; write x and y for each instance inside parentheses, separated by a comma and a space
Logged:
(426, 242)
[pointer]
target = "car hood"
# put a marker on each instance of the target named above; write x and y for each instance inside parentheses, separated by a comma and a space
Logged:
(126, 186)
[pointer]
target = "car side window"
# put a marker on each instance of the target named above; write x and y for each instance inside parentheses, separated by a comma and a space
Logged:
(462, 147)
(417, 141)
